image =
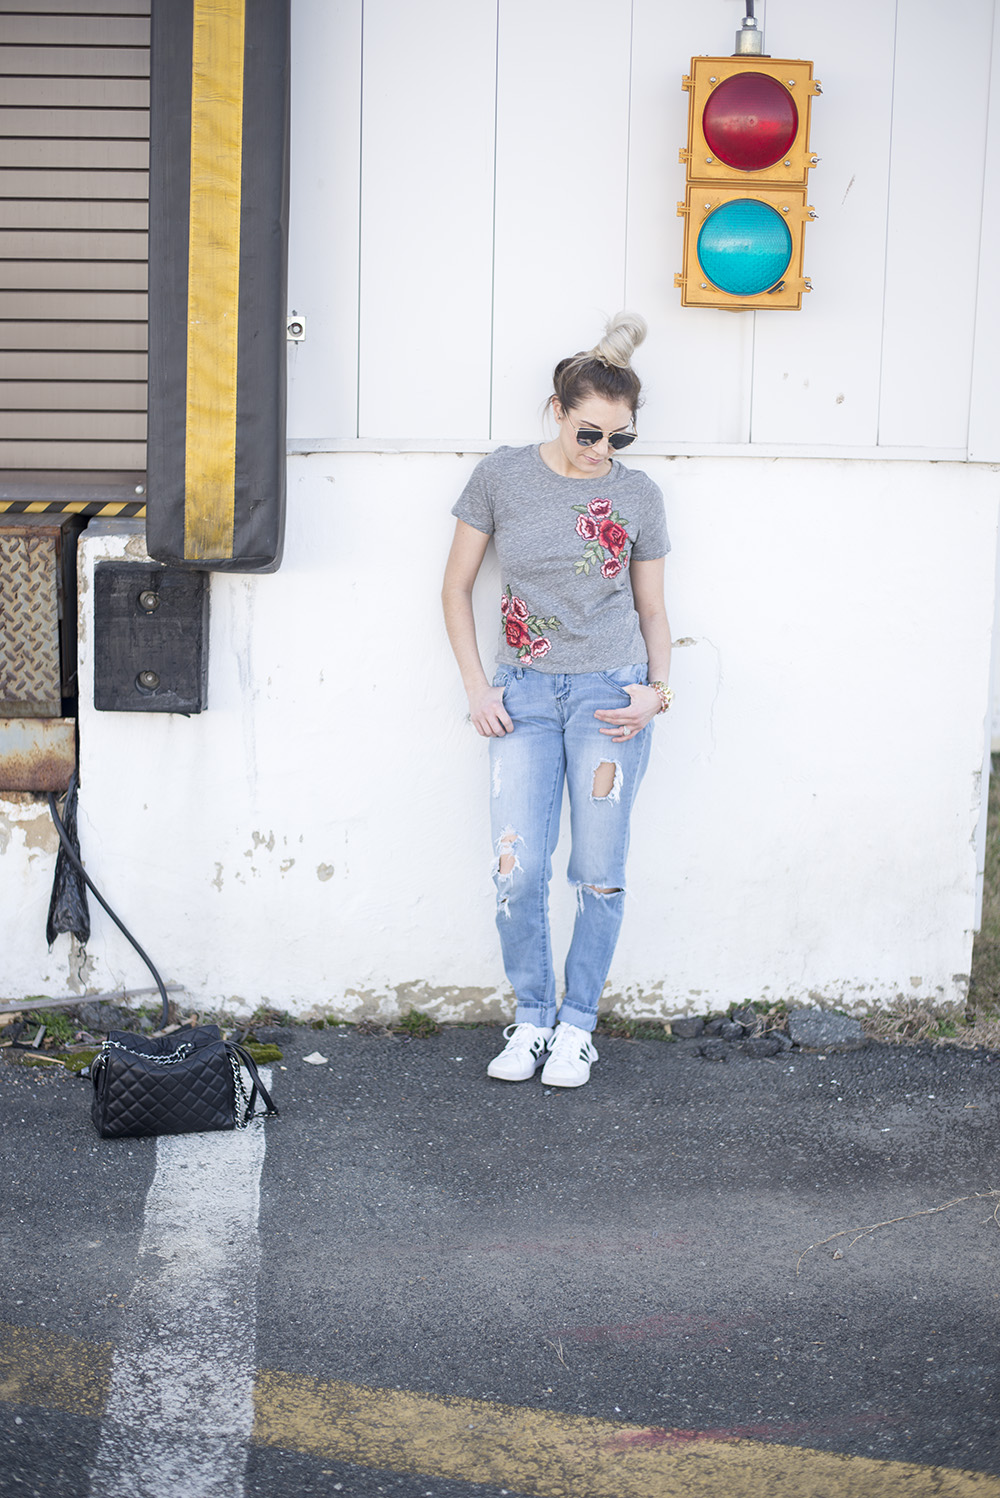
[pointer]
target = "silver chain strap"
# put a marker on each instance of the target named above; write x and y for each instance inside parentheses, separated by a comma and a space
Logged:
(181, 1054)
(242, 1101)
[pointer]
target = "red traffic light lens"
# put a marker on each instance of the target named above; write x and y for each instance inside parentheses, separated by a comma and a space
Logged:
(750, 121)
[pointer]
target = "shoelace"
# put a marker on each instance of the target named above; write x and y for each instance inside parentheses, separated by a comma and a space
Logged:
(517, 1042)
(566, 1041)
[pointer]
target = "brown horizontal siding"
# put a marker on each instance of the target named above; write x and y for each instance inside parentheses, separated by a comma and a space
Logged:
(76, 93)
(24, 456)
(29, 185)
(132, 124)
(74, 306)
(72, 336)
(99, 61)
(73, 275)
(73, 244)
(74, 7)
(72, 426)
(48, 153)
(73, 364)
(75, 213)
(74, 144)
(18, 396)
(74, 29)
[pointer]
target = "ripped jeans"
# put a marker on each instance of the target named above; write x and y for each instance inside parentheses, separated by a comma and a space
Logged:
(556, 738)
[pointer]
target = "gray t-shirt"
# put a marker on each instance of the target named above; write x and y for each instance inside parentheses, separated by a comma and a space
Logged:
(564, 547)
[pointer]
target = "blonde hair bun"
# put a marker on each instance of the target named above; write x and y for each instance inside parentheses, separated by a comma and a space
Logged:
(623, 334)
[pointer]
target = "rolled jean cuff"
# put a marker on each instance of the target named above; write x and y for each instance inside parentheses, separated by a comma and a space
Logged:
(533, 1014)
(570, 1015)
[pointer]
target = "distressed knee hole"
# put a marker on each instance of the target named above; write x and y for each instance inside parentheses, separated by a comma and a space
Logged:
(596, 890)
(507, 859)
(607, 781)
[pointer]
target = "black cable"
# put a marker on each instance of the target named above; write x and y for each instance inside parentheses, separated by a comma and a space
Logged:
(71, 854)
(749, 14)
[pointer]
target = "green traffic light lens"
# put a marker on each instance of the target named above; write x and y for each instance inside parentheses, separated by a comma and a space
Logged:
(744, 247)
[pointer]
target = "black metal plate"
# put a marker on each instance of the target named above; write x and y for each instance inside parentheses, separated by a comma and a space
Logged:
(133, 643)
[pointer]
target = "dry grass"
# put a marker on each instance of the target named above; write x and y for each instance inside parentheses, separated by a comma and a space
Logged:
(980, 1024)
(910, 1022)
(984, 989)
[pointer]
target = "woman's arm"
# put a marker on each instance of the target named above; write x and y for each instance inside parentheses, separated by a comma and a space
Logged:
(647, 592)
(486, 709)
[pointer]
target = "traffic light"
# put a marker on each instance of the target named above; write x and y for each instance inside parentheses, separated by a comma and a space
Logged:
(748, 159)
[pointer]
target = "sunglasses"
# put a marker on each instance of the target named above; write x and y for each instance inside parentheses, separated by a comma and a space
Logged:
(587, 436)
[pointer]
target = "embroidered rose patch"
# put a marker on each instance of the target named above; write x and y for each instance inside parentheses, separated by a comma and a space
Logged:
(603, 529)
(523, 631)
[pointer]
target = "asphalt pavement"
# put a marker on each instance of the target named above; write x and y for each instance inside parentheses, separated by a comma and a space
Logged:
(762, 1275)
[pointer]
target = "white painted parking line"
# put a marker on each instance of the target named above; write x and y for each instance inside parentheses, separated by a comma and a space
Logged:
(179, 1414)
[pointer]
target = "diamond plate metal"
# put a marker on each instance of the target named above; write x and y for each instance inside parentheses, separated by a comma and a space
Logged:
(30, 679)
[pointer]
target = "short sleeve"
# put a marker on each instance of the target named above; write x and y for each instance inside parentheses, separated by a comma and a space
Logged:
(652, 540)
(475, 503)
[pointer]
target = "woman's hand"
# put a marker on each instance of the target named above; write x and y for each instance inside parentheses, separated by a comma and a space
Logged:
(625, 722)
(487, 713)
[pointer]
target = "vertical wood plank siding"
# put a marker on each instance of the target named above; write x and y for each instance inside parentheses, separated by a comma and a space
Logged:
(74, 149)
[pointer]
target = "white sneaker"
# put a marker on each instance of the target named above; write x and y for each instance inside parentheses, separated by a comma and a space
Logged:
(571, 1054)
(522, 1055)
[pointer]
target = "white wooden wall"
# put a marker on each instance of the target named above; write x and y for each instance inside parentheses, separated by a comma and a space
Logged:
(476, 183)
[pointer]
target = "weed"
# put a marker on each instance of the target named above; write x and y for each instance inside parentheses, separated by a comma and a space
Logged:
(618, 1027)
(419, 1026)
(75, 1061)
(264, 1055)
(58, 1026)
(264, 1015)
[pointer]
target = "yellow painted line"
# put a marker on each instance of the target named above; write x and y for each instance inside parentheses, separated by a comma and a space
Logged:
(539, 1452)
(569, 1456)
(52, 1370)
(213, 278)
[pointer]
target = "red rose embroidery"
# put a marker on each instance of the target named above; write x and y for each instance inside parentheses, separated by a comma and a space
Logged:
(524, 631)
(606, 538)
(516, 633)
(613, 537)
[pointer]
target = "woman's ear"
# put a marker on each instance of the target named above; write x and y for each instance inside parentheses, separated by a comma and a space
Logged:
(557, 410)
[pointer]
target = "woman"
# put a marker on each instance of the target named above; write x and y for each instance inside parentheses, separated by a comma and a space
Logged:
(583, 658)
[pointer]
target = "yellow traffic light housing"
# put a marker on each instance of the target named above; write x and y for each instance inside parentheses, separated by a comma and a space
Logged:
(748, 159)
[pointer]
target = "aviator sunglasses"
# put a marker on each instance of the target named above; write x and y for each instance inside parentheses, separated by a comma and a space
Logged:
(587, 436)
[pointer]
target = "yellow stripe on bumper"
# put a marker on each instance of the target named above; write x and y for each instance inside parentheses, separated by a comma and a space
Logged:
(213, 277)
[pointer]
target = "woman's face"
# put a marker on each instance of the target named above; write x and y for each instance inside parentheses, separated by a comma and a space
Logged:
(597, 413)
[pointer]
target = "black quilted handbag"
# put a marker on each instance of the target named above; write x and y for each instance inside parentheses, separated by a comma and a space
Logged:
(182, 1083)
